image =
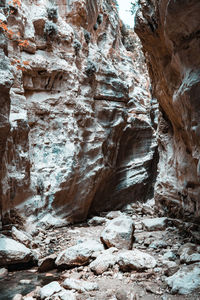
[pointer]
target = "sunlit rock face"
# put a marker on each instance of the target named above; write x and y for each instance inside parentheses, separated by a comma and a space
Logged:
(169, 31)
(81, 137)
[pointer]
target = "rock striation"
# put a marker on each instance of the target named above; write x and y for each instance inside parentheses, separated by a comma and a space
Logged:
(76, 133)
(169, 31)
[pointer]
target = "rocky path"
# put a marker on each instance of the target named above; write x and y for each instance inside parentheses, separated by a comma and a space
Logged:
(130, 254)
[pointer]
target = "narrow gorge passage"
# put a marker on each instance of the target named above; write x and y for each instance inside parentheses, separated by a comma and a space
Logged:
(99, 150)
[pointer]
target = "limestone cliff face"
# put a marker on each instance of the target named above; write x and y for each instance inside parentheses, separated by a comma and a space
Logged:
(170, 31)
(80, 132)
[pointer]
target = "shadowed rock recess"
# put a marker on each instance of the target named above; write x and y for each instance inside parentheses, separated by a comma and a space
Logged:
(170, 32)
(76, 132)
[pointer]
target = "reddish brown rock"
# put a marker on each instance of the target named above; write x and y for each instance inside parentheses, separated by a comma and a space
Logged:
(79, 115)
(169, 32)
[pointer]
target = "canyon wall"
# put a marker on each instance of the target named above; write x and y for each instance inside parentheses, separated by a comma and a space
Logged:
(76, 132)
(170, 33)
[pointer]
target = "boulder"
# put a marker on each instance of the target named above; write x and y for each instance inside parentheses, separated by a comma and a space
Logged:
(13, 252)
(189, 253)
(119, 233)
(47, 263)
(186, 280)
(169, 255)
(21, 236)
(135, 260)
(79, 254)
(154, 224)
(80, 285)
(50, 289)
(104, 261)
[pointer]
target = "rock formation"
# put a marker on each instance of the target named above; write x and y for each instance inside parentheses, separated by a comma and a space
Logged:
(79, 137)
(169, 31)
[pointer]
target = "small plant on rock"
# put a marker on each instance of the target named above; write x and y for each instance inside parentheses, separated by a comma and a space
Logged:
(52, 13)
(77, 46)
(87, 36)
(50, 30)
(91, 68)
(99, 19)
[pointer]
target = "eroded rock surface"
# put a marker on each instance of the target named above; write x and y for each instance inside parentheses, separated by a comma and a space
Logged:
(79, 113)
(169, 32)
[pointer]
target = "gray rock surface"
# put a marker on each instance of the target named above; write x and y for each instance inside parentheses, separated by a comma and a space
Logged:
(113, 214)
(186, 280)
(170, 255)
(13, 252)
(95, 221)
(22, 237)
(63, 295)
(189, 253)
(79, 254)
(155, 224)
(80, 285)
(104, 261)
(119, 233)
(50, 289)
(135, 260)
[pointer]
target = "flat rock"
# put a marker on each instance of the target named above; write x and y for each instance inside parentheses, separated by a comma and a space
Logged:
(186, 280)
(114, 214)
(104, 261)
(119, 233)
(95, 221)
(80, 285)
(189, 253)
(63, 295)
(13, 252)
(79, 254)
(154, 224)
(50, 289)
(135, 260)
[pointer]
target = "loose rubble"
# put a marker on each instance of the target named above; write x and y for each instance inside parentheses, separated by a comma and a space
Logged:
(161, 263)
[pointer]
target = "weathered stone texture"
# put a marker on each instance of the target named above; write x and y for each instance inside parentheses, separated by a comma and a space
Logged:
(169, 32)
(81, 138)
